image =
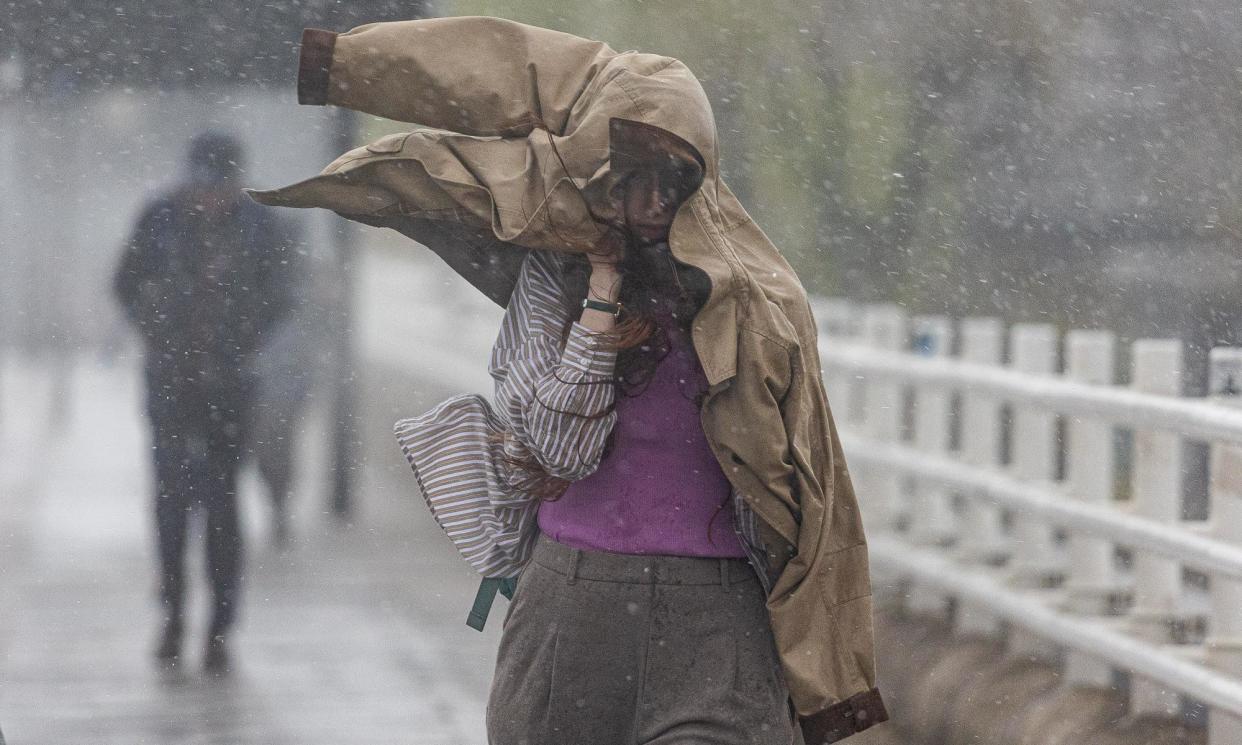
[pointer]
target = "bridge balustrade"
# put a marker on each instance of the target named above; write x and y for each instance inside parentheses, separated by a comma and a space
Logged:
(1011, 483)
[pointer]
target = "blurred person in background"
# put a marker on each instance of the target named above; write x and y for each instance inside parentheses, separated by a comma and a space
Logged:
(285, 379)
(205, 278)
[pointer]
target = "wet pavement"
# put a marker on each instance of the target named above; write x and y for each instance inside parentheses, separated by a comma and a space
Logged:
(354, 634)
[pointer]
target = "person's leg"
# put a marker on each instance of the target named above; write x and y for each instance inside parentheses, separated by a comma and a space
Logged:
(223, 528)
(653, 650)
(172, 498)
(567, 670)
(717, 679)
(273, 450)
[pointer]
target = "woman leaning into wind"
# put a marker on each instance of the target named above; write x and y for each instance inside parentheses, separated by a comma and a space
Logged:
(660, 472)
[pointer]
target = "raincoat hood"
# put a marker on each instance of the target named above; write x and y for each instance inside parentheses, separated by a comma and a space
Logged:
(525, 131)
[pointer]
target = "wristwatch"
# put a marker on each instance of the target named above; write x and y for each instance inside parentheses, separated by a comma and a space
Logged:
(613, 309)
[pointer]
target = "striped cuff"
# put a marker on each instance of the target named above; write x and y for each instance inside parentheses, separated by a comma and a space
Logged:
(589, 352)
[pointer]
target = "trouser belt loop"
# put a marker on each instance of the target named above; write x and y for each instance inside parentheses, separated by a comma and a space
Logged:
(724, 574)
(572, 575)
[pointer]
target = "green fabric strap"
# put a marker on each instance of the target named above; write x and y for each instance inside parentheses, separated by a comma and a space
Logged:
(485, 596)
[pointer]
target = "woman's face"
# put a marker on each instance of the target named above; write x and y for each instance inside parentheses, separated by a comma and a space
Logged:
(649, 202)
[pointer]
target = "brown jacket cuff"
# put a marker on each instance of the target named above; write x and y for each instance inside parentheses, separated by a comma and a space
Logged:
(314, 64)
(845, 718)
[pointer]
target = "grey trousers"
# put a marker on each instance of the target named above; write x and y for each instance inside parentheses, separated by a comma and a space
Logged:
(612, 649)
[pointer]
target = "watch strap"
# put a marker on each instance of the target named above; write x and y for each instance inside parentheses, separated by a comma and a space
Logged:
(613, 309)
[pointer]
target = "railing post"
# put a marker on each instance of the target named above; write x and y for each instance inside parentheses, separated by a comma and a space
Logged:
(1090, 470)
(1034, 456)
(834, 316)
(1156, 495)
(1090, 473)
(931, 518)
(837, 321)
(983, 536)
(1224, 646)
(884, 327)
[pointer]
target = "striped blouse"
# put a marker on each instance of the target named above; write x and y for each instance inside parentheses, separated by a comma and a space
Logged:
(552, 403)
(556, 402)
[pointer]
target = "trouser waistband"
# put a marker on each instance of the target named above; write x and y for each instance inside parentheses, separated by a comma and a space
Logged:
(604, 566)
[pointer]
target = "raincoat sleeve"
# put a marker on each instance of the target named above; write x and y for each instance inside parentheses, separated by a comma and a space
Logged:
(473, 75)
(826, 648)
(558, 402)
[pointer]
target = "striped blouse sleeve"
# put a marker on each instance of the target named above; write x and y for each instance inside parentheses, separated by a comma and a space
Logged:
(557, 400)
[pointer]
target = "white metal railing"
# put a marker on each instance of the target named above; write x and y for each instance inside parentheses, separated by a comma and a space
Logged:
(1013, 538)
(1062, 395)
(955, 457)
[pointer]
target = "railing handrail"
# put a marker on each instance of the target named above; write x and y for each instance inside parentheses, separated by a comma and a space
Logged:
(1043, 500)
(1087, 635)
(993, 562)
(1193, 418)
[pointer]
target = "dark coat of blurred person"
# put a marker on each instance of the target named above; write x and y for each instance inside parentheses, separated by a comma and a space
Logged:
(205, 277)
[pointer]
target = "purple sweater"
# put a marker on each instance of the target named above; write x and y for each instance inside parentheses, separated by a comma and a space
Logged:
(660, 487)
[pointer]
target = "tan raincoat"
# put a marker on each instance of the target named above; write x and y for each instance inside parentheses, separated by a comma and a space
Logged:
(516, 154)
